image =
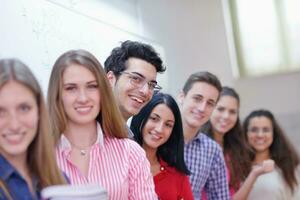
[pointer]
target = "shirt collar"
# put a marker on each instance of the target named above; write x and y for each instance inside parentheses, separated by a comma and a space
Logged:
(196, 138)
(130, 133)
(64, 143)
(6, 169)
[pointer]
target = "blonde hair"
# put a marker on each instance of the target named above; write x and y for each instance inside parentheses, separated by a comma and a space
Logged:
(40, 153)
(109, 116)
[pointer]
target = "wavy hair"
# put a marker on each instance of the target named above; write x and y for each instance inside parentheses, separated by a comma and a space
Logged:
(236, 149)
(116, 61)
(281, 150)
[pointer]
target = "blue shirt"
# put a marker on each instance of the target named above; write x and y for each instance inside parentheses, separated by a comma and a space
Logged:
(15, 183)
(205, 160)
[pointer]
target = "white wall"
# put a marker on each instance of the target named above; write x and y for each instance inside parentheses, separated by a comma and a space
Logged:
(193, 33)
(190, 34)
(38, 31)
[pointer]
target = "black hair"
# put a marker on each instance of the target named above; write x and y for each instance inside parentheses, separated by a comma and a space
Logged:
(172, 151)
(132, 49)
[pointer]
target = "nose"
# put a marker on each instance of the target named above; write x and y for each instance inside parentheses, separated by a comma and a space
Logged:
(225, 115)
(82, 96)
(202, 106)
(159, 127)
(145, 89)
(14, 123)
(260, 133)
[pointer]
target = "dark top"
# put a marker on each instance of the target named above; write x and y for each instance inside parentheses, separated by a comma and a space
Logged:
(15, 183)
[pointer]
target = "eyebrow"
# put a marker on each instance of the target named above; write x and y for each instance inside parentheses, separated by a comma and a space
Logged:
(173, 121)
(211, 101)
(89, 82)
(141, 75)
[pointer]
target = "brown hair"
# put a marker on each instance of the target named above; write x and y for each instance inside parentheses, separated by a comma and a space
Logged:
(109, 117)
(40, 157)
(281, 149)
(236, 149)
(205, 77)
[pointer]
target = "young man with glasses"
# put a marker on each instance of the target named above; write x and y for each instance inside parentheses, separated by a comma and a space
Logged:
(202, 155)
(131, 70)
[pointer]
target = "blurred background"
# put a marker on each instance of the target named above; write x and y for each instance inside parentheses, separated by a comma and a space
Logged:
(253, 46)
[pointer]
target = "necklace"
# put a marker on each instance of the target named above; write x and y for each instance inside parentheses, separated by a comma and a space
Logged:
(83, 150)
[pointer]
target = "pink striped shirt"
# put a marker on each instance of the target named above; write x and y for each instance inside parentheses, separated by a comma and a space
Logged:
(118, 165)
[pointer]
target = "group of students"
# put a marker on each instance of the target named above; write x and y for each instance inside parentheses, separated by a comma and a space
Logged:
(196, 149)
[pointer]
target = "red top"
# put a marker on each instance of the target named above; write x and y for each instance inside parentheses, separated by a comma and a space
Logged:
(172, 184)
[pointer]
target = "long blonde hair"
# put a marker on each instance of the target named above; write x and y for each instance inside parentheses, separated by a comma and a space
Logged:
(40, 153)
(109, 116)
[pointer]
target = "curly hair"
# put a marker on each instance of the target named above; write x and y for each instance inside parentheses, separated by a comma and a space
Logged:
(116, 62)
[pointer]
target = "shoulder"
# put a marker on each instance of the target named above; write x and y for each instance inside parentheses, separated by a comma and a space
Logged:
(124, 145)
(209, 144)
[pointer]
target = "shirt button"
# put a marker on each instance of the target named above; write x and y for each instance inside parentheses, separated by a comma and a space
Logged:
(162, 168)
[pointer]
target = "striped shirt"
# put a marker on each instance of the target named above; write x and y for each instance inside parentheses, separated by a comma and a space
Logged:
(205, 160)
(118, 165)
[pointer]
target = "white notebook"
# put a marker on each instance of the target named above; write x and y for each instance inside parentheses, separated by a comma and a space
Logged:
(74, 192)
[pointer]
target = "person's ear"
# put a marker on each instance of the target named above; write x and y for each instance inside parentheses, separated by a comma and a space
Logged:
(180, 97)
(111, 78)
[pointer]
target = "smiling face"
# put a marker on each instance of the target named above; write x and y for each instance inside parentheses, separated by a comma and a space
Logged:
(260, 134)
(132, 99)
(18, 119)
(198, 104)
(158, 127)
(80, 95)
(225, 115)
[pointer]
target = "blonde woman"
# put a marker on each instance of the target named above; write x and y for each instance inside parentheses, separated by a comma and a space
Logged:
(91, 135)
(27, 161)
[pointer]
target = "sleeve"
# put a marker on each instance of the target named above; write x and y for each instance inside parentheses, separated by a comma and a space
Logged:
(141, 185)
(216, 186)
(187, 193)
(296, 194)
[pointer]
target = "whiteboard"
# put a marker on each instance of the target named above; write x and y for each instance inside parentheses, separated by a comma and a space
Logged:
(39, 31)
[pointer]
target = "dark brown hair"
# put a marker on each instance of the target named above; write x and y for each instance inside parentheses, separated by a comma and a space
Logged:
(205, 77)
(236, 149)
(281, 149)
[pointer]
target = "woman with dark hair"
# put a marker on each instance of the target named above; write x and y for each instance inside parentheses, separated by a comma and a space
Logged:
(158, 129)
(269, 142)
(225, 128)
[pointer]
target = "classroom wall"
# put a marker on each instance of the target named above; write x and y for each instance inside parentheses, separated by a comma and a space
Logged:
(191, 35)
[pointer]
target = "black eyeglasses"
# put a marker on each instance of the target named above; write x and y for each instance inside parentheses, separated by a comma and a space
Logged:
(140, 81)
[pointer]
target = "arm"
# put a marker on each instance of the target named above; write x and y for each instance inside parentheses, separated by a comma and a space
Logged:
(243, 192)
(187, 193)
(141, 185)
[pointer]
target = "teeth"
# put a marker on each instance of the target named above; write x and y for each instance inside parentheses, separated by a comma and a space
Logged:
(83, 109)
(137, 99)
(155, 136)
(260, 142)
(13, 136)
